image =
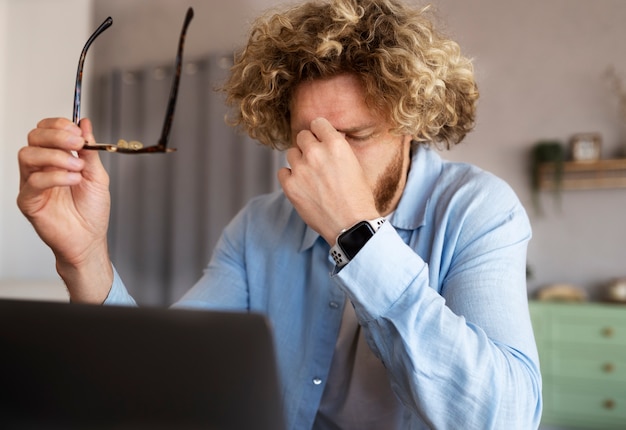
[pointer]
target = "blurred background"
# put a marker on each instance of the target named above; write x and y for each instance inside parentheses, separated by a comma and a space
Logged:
(541, 67)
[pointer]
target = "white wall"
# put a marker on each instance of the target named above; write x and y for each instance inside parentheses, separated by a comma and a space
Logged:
(539, 65)
(40, 42)
(3, 98)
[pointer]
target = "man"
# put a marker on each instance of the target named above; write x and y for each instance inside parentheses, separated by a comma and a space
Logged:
(394, 281)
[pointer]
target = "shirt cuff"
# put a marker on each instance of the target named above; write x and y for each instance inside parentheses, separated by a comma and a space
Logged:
(381, 273)
(118, 295)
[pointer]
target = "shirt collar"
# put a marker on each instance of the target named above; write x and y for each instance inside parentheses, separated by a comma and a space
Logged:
(309, 238)
(426, 166)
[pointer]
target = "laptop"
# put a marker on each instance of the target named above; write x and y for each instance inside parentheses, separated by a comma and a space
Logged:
(71, 366)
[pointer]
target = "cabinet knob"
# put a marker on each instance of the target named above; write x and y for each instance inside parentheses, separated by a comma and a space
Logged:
(608, 367)
(608, 332)
(609, 404)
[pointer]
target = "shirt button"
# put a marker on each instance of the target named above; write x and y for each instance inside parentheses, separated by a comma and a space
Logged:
(317, 381)
(333, 305)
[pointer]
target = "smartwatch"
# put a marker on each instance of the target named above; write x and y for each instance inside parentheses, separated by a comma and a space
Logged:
(350, 241)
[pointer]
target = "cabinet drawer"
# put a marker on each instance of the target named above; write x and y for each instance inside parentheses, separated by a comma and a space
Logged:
(597, 331)
(597, 369)
(582, 348)
(607, 363)
(598, 404)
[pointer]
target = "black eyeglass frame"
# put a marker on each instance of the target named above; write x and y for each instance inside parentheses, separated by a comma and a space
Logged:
(161, 145)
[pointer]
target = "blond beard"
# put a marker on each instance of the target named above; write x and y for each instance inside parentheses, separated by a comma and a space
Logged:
(388, 182)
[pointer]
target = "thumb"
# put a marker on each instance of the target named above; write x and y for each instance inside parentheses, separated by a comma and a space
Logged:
(87, 128)
(94, 167)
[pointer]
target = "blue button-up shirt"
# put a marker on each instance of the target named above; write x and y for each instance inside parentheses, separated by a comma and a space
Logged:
(440, 293)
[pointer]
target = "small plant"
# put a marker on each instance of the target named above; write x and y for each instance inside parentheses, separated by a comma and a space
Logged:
(547, 151)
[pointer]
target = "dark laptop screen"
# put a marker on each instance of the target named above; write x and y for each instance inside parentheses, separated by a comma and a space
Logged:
(78, 366)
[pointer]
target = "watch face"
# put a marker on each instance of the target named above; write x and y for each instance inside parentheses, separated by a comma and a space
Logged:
(353, 239)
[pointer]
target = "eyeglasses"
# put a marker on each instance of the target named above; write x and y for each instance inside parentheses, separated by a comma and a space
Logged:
(134, 147)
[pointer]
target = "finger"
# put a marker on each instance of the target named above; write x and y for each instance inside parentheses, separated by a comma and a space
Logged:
(283, 174)
(94, 169)
(87, 130)
(59, 124)
(323, 130)
(94, 164)
(33, 192)
(304, 138)
(65, 139)
(321, 135)
(44, 180)
(32, 160)
(293, 155)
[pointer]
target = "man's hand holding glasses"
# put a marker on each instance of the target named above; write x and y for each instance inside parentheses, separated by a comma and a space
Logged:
(64, 189)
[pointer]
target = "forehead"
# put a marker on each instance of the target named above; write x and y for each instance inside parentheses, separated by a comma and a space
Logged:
(340, 99)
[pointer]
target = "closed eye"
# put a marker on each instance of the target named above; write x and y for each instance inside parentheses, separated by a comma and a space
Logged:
(360, 139)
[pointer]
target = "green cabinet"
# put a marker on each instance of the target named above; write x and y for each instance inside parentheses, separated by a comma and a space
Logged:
(582, 349)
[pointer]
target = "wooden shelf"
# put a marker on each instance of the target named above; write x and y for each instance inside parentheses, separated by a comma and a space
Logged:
(585, 175)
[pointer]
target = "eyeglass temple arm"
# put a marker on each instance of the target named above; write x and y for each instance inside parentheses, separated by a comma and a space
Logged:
(171, 106)
(79, 74)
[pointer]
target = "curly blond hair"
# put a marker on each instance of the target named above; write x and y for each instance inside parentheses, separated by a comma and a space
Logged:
(409, 71)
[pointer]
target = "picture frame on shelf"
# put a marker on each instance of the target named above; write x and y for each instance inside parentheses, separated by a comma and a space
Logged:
(586, 146)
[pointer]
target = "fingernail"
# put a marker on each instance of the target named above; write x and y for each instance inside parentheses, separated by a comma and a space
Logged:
(76, 141)
(74, 129)
(75, 163)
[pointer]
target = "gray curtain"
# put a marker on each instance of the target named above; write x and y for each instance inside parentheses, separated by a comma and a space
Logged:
(168, 210)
